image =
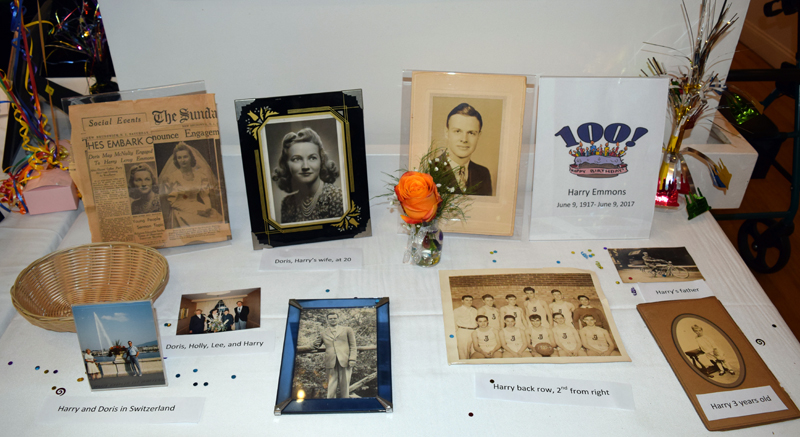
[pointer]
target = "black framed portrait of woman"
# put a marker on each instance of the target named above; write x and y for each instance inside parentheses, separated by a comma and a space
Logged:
(305, 167)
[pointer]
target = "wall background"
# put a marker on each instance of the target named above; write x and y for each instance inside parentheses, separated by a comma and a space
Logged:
(264, 48)
(774, 38)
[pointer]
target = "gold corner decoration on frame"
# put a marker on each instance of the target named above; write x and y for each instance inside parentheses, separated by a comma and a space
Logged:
(350, 219)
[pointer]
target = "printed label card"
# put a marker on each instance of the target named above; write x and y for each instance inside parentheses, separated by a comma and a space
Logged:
(598, 148)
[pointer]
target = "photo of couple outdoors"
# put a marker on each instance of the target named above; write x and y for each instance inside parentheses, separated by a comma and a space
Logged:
(119, 345)
(220, 311)
(529, 318)
(336, 354)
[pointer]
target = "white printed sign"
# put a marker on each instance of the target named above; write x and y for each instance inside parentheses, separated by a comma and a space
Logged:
(738, 403)
(248, 341)
(312, 259)
(117, 409)
(658, 291)
(598, 151)
(557, 391)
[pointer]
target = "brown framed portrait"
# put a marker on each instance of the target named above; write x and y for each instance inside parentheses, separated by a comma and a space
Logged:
(475, 121)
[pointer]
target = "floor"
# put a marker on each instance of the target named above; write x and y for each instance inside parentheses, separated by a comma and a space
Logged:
(771, 194)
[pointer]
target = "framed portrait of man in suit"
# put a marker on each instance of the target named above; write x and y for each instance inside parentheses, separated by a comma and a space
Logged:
(336, 357)
(474, 124)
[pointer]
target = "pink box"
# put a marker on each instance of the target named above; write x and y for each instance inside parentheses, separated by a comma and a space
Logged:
(51, 192)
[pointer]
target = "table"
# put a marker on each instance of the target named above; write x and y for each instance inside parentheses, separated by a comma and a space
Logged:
(430, 397)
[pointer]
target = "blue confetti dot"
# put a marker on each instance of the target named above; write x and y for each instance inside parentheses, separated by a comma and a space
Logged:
(195, 384)
(452, 336)
(55, 371)
(10, 363)
(177, 375)
(195, 370)
(233, 376)
(37, 367)
(605, 248)
(205, 384)
(494, 260)
(328, 290)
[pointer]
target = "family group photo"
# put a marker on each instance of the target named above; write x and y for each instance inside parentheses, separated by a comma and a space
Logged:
(219, 311)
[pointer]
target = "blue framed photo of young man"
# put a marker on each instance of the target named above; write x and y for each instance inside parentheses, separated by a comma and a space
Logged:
(305, 167)
(336, 357)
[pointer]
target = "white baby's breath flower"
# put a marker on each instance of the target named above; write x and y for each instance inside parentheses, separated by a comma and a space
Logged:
(452, 189)
(436, 168)
(438, 185)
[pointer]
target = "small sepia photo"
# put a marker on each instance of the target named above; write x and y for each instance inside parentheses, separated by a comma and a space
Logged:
(219, 311)
(535, 316)
(190, 188)
(467, 129)
(336, 357)
(708, 350)
(304, 168)
(119, 344)
(655, 264)
(143, 187)
(336, 354)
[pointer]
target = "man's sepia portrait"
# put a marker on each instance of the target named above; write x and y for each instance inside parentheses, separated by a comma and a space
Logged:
(336, 354)
(708, 350)
(304, 168)
(468, 130)
(143, 187)
(189, 186)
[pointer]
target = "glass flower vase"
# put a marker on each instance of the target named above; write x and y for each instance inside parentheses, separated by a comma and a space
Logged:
(424, 244)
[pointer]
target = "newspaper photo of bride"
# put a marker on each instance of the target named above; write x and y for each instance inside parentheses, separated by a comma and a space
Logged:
(189, 189)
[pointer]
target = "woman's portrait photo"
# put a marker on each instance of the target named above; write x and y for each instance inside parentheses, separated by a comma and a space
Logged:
(143, 188)
(305, 163)
(188, 186)
(708, 350)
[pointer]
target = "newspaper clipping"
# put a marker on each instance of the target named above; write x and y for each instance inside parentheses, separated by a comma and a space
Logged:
(150, 170)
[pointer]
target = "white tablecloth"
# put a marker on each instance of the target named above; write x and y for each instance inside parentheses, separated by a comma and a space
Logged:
(430, 397)
(24, 239)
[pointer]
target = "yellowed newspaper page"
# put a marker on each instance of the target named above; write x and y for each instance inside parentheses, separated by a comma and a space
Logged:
(150, 170)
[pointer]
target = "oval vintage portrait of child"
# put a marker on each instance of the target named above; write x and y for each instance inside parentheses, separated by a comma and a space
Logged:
(708, 350)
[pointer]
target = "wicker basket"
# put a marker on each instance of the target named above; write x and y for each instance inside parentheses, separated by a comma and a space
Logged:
(45, 291)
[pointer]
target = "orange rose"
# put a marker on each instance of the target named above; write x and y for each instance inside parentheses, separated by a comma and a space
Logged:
(418, 196)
